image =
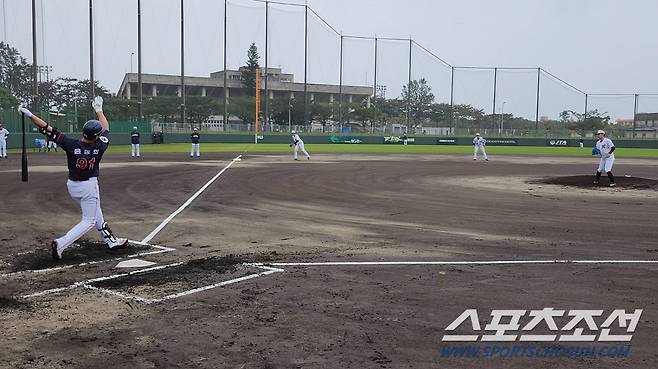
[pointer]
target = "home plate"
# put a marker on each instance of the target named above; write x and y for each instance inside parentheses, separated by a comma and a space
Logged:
(134, 263)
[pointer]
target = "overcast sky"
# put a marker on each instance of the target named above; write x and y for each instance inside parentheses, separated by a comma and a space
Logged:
(600, 46)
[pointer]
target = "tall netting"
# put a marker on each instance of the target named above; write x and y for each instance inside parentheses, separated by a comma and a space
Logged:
(204, 20)
(647, 104)
(161, 57)
(620, 109)
(516, 100)
(115, 53)
(437, 76)
(392, 78)
(66, 46)
(323, 74)
(358, 75)
(555, 98)
(473, 100)
(286, 60)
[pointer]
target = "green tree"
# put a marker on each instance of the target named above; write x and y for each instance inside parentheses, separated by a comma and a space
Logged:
(15, 73)
(420, 97)
(8, 101)
(162, 108)
(249, 70)
(243, 108)
(582, 123)
(201, 107)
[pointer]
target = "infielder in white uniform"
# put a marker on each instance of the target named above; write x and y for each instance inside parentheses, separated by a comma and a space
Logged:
(299, 145)
(83, 156)
(3, 141)
(606, 148)
(478, 144)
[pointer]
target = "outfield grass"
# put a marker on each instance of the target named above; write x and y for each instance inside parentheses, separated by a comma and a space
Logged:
(380, 149)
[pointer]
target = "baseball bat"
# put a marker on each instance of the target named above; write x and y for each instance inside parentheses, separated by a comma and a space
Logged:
(24, 154)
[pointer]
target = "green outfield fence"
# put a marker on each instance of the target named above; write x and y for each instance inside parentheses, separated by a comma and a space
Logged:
(66, 123)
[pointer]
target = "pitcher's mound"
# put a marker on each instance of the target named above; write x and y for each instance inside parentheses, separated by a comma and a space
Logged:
(629, 182)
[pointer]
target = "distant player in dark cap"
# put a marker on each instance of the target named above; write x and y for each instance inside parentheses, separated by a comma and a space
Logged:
(134, 142)
(84, 157)
(195, 138)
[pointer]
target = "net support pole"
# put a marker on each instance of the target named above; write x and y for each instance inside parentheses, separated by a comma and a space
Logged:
(537, 106)
(495, 81)
(306, 64)
(140, 102)
(182, 59)
(35, 84)
(585, 112)
(635, 107)
(452, 101)
(267, 70)
(408, 87)
(226, 117)
(374, 90)
(92, 89)
(340, 88)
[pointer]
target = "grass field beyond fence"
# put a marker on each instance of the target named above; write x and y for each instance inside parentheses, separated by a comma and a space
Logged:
(378, 149)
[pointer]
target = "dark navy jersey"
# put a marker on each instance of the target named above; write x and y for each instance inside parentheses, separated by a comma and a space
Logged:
(134, 137)
(195, 137)
(83, 158)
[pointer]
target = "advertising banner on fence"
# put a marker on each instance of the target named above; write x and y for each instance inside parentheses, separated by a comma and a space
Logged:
(557, 142)
(397, 140)
(502, 141)
(344, 140)
(446, 141)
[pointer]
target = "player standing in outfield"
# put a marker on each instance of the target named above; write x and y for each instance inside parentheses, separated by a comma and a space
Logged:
(50, 144)
(405, 139)
(478, 144)
(195, 137)
(299, 145)
(605, 148)
(134, 142)
(84, 156)
(3, 141)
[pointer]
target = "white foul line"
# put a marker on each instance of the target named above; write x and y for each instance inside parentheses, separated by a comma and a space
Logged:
(161, 249)
(188, 202)
(492, 262)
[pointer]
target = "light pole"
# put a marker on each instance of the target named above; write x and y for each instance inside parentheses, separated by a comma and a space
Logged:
(289, 115)
(131, 62)
(502, 115)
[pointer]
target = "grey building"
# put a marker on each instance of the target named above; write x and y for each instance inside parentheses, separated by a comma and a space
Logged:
(645, 126)
(280, 85)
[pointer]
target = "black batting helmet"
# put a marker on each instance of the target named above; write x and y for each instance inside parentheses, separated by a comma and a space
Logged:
(92, 129)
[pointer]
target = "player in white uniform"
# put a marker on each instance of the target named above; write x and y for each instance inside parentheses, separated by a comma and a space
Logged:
(299, 145)
(3, 141)
(606, 149)
(478, 144)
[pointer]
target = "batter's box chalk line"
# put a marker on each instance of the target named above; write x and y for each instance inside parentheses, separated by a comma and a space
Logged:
(88, 284)
(159, 250)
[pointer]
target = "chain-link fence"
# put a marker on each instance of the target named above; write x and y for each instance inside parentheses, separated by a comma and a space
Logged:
(315, 78)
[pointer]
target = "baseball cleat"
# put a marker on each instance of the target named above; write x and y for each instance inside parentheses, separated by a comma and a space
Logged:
(119, 244)
(596, 182)
(54, 248)
(612, 184)
(486, 159)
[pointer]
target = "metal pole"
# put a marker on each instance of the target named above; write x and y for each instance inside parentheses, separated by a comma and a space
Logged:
(91, 50)
(140, 103)
(585, 114)
(635, 106)
(35, 85)
(452, 90)
(408, 88)
(375, 89)
(182, 59)
(340, 88)
(305, 64)
(537, 107)
(494, 91)
(226, 116)
(5, 38)
(267, 72)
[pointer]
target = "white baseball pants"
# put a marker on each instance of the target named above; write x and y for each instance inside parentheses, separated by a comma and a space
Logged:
(475, 151)
(87, 195)
(134, 151)
(3, 148)
(605, 164)
(198, 150)
(300, 146)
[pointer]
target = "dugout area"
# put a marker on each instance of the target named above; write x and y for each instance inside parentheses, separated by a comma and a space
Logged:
(230, 286)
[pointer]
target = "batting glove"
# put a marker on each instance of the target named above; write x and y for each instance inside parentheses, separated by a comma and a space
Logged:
(97, 104)
(23, 110)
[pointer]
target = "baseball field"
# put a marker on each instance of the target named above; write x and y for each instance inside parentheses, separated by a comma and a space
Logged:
(358, 258)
